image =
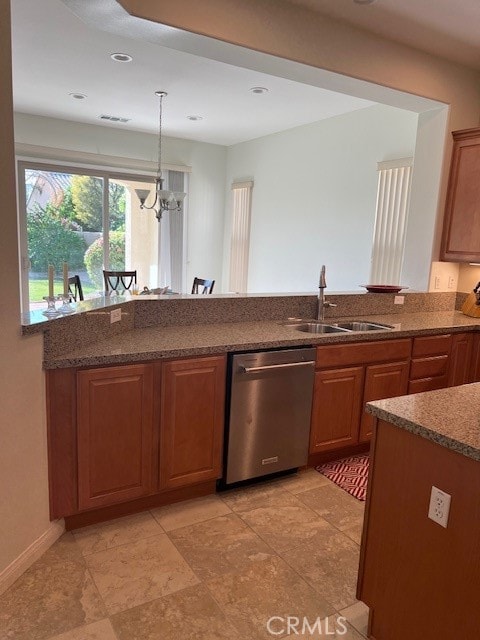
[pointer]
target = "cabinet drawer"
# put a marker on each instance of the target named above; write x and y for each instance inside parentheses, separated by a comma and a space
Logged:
(431, 345)
(427, 367)
(428, 384)
(336, 355)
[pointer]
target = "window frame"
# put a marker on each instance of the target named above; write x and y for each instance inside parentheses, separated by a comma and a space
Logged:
(105, 173)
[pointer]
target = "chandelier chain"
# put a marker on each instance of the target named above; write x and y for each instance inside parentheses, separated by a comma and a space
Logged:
(159, 167)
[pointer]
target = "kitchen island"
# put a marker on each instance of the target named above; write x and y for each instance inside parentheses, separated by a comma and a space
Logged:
(420, 579)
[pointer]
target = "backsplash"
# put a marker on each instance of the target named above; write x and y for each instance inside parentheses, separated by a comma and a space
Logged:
(182, 311)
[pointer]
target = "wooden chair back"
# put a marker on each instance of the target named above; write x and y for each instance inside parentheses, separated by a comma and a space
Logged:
(115, 280)
(75, 290)
(202, 286)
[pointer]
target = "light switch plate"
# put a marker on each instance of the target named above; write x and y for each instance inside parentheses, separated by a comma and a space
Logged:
(115, 315)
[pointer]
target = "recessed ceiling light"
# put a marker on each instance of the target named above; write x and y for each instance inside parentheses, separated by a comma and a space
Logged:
(78, 96)
(259, 90)
(364, 1)
(121, 57)
(194, 118)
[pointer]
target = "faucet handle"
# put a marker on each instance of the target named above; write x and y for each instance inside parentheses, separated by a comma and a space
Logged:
(329, 304)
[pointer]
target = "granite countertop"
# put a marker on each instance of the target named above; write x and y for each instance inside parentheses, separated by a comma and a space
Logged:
(157, 342)
(450, 417)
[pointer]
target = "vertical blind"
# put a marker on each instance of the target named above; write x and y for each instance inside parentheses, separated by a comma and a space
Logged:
(240, 240)
(393, 195)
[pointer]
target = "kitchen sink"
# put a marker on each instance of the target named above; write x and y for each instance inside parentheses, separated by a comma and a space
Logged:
(319, 327)
(360, 325)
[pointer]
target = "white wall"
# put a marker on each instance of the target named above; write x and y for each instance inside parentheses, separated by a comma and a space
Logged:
(314, 197)
(206, 202)
(24, 516)
(422, 217)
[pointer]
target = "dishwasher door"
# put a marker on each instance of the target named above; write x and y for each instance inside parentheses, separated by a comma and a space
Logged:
(270, 410)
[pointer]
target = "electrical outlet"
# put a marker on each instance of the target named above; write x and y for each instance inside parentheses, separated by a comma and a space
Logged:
(439, 506)
(437, 282)
(451, 282)
(115, 315)
(399, 300)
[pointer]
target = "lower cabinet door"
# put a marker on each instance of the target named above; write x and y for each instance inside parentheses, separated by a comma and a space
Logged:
(114, 434)
(192, 421)
(382, 381)
(336, 410)
(475, 364)
(460, 370)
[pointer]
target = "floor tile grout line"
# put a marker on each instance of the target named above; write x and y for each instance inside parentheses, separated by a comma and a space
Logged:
(236, 571)
(312, 586)
(339, 612)
(111, 521)
(199, 522)
(124, 544)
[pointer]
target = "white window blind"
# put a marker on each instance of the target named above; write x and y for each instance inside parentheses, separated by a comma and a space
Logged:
(393, 194)
(240, 240)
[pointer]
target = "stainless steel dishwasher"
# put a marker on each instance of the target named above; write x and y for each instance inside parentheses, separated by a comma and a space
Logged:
(269, 416)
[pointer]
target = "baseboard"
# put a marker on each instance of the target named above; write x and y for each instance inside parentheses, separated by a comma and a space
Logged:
(31, 553)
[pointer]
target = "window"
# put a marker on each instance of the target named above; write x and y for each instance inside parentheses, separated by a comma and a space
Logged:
(240, 240)
(393, 195)
(92, 220)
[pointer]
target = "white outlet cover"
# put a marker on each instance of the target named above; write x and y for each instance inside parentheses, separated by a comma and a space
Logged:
(399, 300)
(439, 506)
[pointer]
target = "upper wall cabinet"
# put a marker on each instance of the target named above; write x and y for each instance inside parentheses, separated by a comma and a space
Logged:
(461, 229)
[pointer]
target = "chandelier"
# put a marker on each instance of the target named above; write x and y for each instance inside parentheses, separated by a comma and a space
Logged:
(165, 200)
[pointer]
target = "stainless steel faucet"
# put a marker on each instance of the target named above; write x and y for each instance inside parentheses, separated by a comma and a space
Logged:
(322, 303)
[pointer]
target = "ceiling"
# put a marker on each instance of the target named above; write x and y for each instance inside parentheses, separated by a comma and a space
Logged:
(446, 28)
(55, 53)
(62, 47)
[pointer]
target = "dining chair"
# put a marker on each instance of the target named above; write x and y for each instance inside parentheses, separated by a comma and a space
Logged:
(75, 290)
(115, 280)
(207, 285)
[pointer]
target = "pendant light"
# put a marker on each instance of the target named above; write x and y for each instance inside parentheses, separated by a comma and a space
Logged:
(165, 200)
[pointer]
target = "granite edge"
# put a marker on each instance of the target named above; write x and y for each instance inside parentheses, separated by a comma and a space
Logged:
(73, 360)
(424, 432)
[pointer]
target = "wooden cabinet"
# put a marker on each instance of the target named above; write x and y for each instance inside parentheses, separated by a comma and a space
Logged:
(192, 417)
(430, 363)
(460, 370)
(129, 437)
(337, 398)
(404, 555)
(115, 435)
(348, 376)
(461, 230)
(475, 361)
(382, 381)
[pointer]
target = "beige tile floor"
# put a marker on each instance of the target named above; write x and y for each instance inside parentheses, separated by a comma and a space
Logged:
(214, 568)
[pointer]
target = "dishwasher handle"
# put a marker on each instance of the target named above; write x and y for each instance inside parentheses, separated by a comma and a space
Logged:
(269, 367)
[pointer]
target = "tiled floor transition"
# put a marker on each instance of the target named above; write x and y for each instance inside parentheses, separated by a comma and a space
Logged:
(240, 565)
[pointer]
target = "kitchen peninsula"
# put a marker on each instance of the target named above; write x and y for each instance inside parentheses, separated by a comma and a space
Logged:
(422, 441)
(147, 393)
